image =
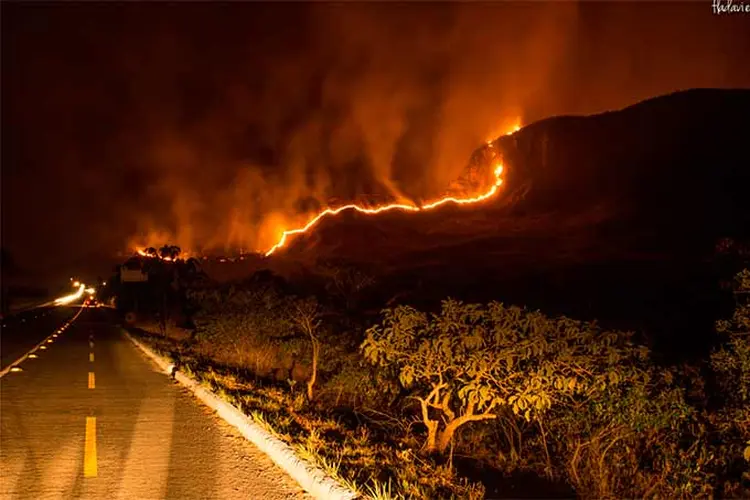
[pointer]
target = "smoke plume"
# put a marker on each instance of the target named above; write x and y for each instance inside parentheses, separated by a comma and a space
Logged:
(218, 126)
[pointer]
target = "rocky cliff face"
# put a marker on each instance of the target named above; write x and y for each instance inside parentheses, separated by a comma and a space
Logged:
(677, 166)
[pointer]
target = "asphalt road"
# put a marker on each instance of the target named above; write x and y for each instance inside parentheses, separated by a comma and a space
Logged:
(91, 417)
(22, 331)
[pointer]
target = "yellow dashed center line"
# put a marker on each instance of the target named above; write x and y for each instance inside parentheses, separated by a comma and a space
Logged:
(89, 454)
(91, 344)
(91, 357)
(92, 381)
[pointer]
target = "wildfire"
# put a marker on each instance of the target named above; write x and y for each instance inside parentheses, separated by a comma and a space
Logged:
(143, 253)
(398, 206)
(286, 234)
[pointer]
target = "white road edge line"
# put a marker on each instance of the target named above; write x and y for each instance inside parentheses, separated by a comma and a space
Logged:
(20, 360)
(309, 476)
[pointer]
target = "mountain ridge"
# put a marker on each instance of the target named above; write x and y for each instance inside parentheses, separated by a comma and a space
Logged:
(613, 216)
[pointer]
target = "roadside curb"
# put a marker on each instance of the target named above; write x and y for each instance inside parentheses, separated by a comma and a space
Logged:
(310, 477)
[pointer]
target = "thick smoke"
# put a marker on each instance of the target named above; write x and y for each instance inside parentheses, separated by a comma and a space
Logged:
(380, 101)
(216, 127)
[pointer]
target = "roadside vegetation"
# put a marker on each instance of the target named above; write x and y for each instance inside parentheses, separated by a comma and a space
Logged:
(471, 400)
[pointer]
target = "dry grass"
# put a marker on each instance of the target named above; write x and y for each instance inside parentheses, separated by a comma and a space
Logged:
(350, 454)
(173, 332)
(241, 351)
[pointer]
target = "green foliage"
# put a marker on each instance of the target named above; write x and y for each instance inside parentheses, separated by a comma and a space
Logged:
(603, 444)
(644, 405)
(731, 362)
(262, 310)
(355, 383)
(689, 452)
(558, 396)
(469, 360)
(249, 327)
(731, 367)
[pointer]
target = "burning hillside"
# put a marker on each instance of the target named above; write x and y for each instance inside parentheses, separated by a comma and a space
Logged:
(645, 167)
(675, 162)
(480, 182)
(466, 184)
(618, 213)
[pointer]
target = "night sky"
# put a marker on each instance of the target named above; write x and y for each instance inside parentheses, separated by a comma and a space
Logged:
(216, 124)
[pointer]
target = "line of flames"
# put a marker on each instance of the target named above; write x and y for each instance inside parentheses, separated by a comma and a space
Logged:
(386, 208)
(284, 238)
(143, 253)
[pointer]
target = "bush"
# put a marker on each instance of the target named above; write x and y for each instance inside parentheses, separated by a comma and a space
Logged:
(730, 364)
(560, 397)
(468, 362)
(635, 440)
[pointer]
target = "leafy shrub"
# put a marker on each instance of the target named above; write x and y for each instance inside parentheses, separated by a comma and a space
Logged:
(731, 368)
(560, 397)
(731, 363)
(635, 439)
(469, 361)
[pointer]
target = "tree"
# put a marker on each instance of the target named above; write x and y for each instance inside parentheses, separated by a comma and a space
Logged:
(306, 316)
(169, 252)
(470, 361)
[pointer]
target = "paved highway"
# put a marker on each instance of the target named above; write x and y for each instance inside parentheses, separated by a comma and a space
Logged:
(90, 417)
(22, 331)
